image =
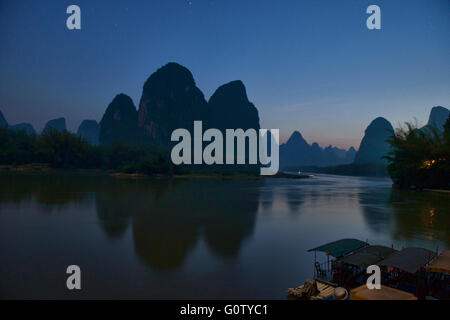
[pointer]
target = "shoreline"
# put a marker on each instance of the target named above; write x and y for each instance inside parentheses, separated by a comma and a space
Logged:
(45, 169)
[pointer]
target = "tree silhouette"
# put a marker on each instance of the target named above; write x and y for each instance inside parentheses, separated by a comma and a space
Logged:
(419, 157)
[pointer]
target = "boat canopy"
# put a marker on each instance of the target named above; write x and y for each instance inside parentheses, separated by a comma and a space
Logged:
(409, 259)
(341, 247)
(441, 264)
(367, 256)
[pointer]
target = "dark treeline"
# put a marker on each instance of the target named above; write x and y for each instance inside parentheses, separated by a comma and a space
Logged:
(68, 151)
(420, 158)
(65, 150)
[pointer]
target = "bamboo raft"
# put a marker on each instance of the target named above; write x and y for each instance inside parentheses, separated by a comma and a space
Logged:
(325, 290)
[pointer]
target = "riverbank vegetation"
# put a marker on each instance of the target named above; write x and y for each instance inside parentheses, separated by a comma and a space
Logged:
(64, 150)
(420, 158)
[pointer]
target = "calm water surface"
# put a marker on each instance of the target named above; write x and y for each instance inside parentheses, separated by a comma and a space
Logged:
(195, 238)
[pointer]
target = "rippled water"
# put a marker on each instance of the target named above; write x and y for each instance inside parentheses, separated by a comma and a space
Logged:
(195, 238)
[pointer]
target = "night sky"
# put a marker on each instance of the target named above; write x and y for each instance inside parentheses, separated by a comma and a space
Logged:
(310, 65)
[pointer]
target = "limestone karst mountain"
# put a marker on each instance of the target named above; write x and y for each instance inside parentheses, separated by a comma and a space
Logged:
(438, 117)
(350, 155)
(58, 124)
(373, 145)
(297, 152)
(90, 130)
(119, 123)
(3, 122)
(230, 108)
(27, 127)
(170, 100)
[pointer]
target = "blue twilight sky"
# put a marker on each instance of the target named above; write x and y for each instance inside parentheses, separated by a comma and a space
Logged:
(308, 65)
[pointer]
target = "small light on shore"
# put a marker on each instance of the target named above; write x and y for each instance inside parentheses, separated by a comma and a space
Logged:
(428, 163)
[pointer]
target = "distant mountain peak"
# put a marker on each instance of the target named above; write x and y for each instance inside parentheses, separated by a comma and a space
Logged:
(373, 145)
(170, 100)
(119, 123)
(3, 122)
(297, 152)
(438, 117)
(229, 108)
(296, 135)
(59, 124)
(23, 126)
(234, 89)
(90, 130)
(296, 138)
(379, 123)
(123, 100)
(171, 74)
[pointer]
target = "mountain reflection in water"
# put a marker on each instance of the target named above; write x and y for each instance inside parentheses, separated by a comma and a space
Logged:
(194, 238)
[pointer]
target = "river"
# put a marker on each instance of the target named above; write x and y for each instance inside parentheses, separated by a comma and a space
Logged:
(195, 238)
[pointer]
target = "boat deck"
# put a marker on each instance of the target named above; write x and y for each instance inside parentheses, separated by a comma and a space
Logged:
(325, 290)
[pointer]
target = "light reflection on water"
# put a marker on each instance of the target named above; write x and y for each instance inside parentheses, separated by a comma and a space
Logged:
(195, 238)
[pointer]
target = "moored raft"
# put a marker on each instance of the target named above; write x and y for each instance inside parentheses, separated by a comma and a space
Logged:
(311, 290)
(404, 270)
(409, 259)
(411, 273)
(335, 249)
(350, 270)
(441, 264)
(438, 277)
(367, 256)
